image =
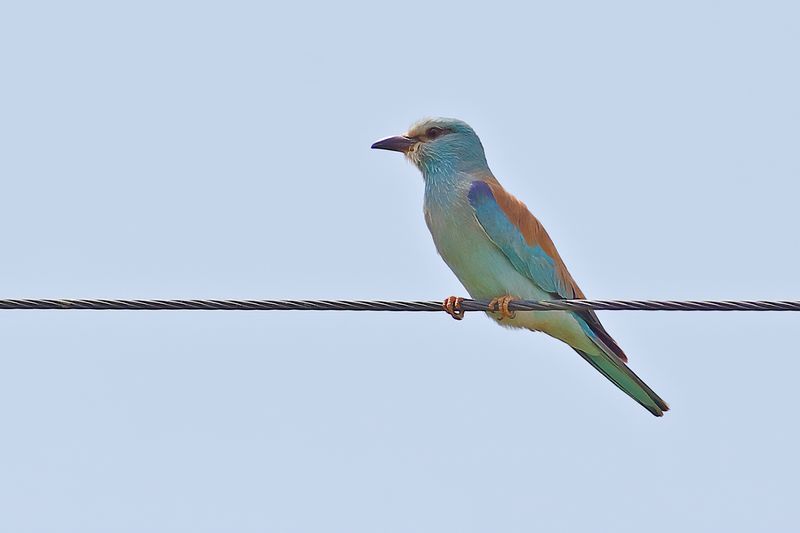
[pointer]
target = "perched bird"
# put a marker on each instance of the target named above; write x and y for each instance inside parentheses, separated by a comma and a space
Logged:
(499, 250)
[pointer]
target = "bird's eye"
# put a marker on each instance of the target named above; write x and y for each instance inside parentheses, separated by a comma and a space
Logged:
(434, 132)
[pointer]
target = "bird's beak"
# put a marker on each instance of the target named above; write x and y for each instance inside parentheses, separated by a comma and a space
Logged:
(399, 143)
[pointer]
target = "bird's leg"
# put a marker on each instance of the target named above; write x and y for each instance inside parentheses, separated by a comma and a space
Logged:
(452, 305)
(500, 305)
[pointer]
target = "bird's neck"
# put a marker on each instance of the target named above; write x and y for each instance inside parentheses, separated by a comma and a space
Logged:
(445, 184)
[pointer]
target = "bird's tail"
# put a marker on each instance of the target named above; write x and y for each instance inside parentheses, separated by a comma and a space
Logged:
(623, 377)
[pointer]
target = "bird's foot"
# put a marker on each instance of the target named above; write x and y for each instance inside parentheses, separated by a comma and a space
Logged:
(500, 305)
(452, 306)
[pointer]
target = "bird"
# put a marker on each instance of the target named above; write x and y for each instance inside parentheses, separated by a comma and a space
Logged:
(500, 252)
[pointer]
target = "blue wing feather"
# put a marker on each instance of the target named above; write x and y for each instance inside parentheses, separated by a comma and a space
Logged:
(530, 261)
(534, 262)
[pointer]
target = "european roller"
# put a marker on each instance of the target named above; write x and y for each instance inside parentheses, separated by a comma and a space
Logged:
(499, 250)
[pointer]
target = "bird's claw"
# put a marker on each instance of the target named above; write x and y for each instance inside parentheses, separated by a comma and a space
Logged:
(500, 305)
(452, 306)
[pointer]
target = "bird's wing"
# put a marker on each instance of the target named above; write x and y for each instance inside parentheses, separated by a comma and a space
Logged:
(523, 240)
(521, 237)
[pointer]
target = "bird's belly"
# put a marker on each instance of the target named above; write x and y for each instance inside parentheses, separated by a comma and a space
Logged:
(479, 264)
(487, 273)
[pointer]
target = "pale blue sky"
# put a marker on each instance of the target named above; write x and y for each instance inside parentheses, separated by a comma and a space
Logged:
(192, 150)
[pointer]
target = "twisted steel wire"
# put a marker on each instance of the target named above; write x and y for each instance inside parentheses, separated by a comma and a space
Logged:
(383, 305)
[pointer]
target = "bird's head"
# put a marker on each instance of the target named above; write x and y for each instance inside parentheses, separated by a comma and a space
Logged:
(439, 145)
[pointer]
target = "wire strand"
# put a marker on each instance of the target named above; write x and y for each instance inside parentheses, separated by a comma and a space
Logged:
(388, 305)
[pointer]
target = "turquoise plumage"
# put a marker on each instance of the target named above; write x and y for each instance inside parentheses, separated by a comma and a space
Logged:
(498, 250)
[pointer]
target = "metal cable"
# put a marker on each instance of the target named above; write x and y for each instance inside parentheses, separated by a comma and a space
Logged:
(379, 305)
